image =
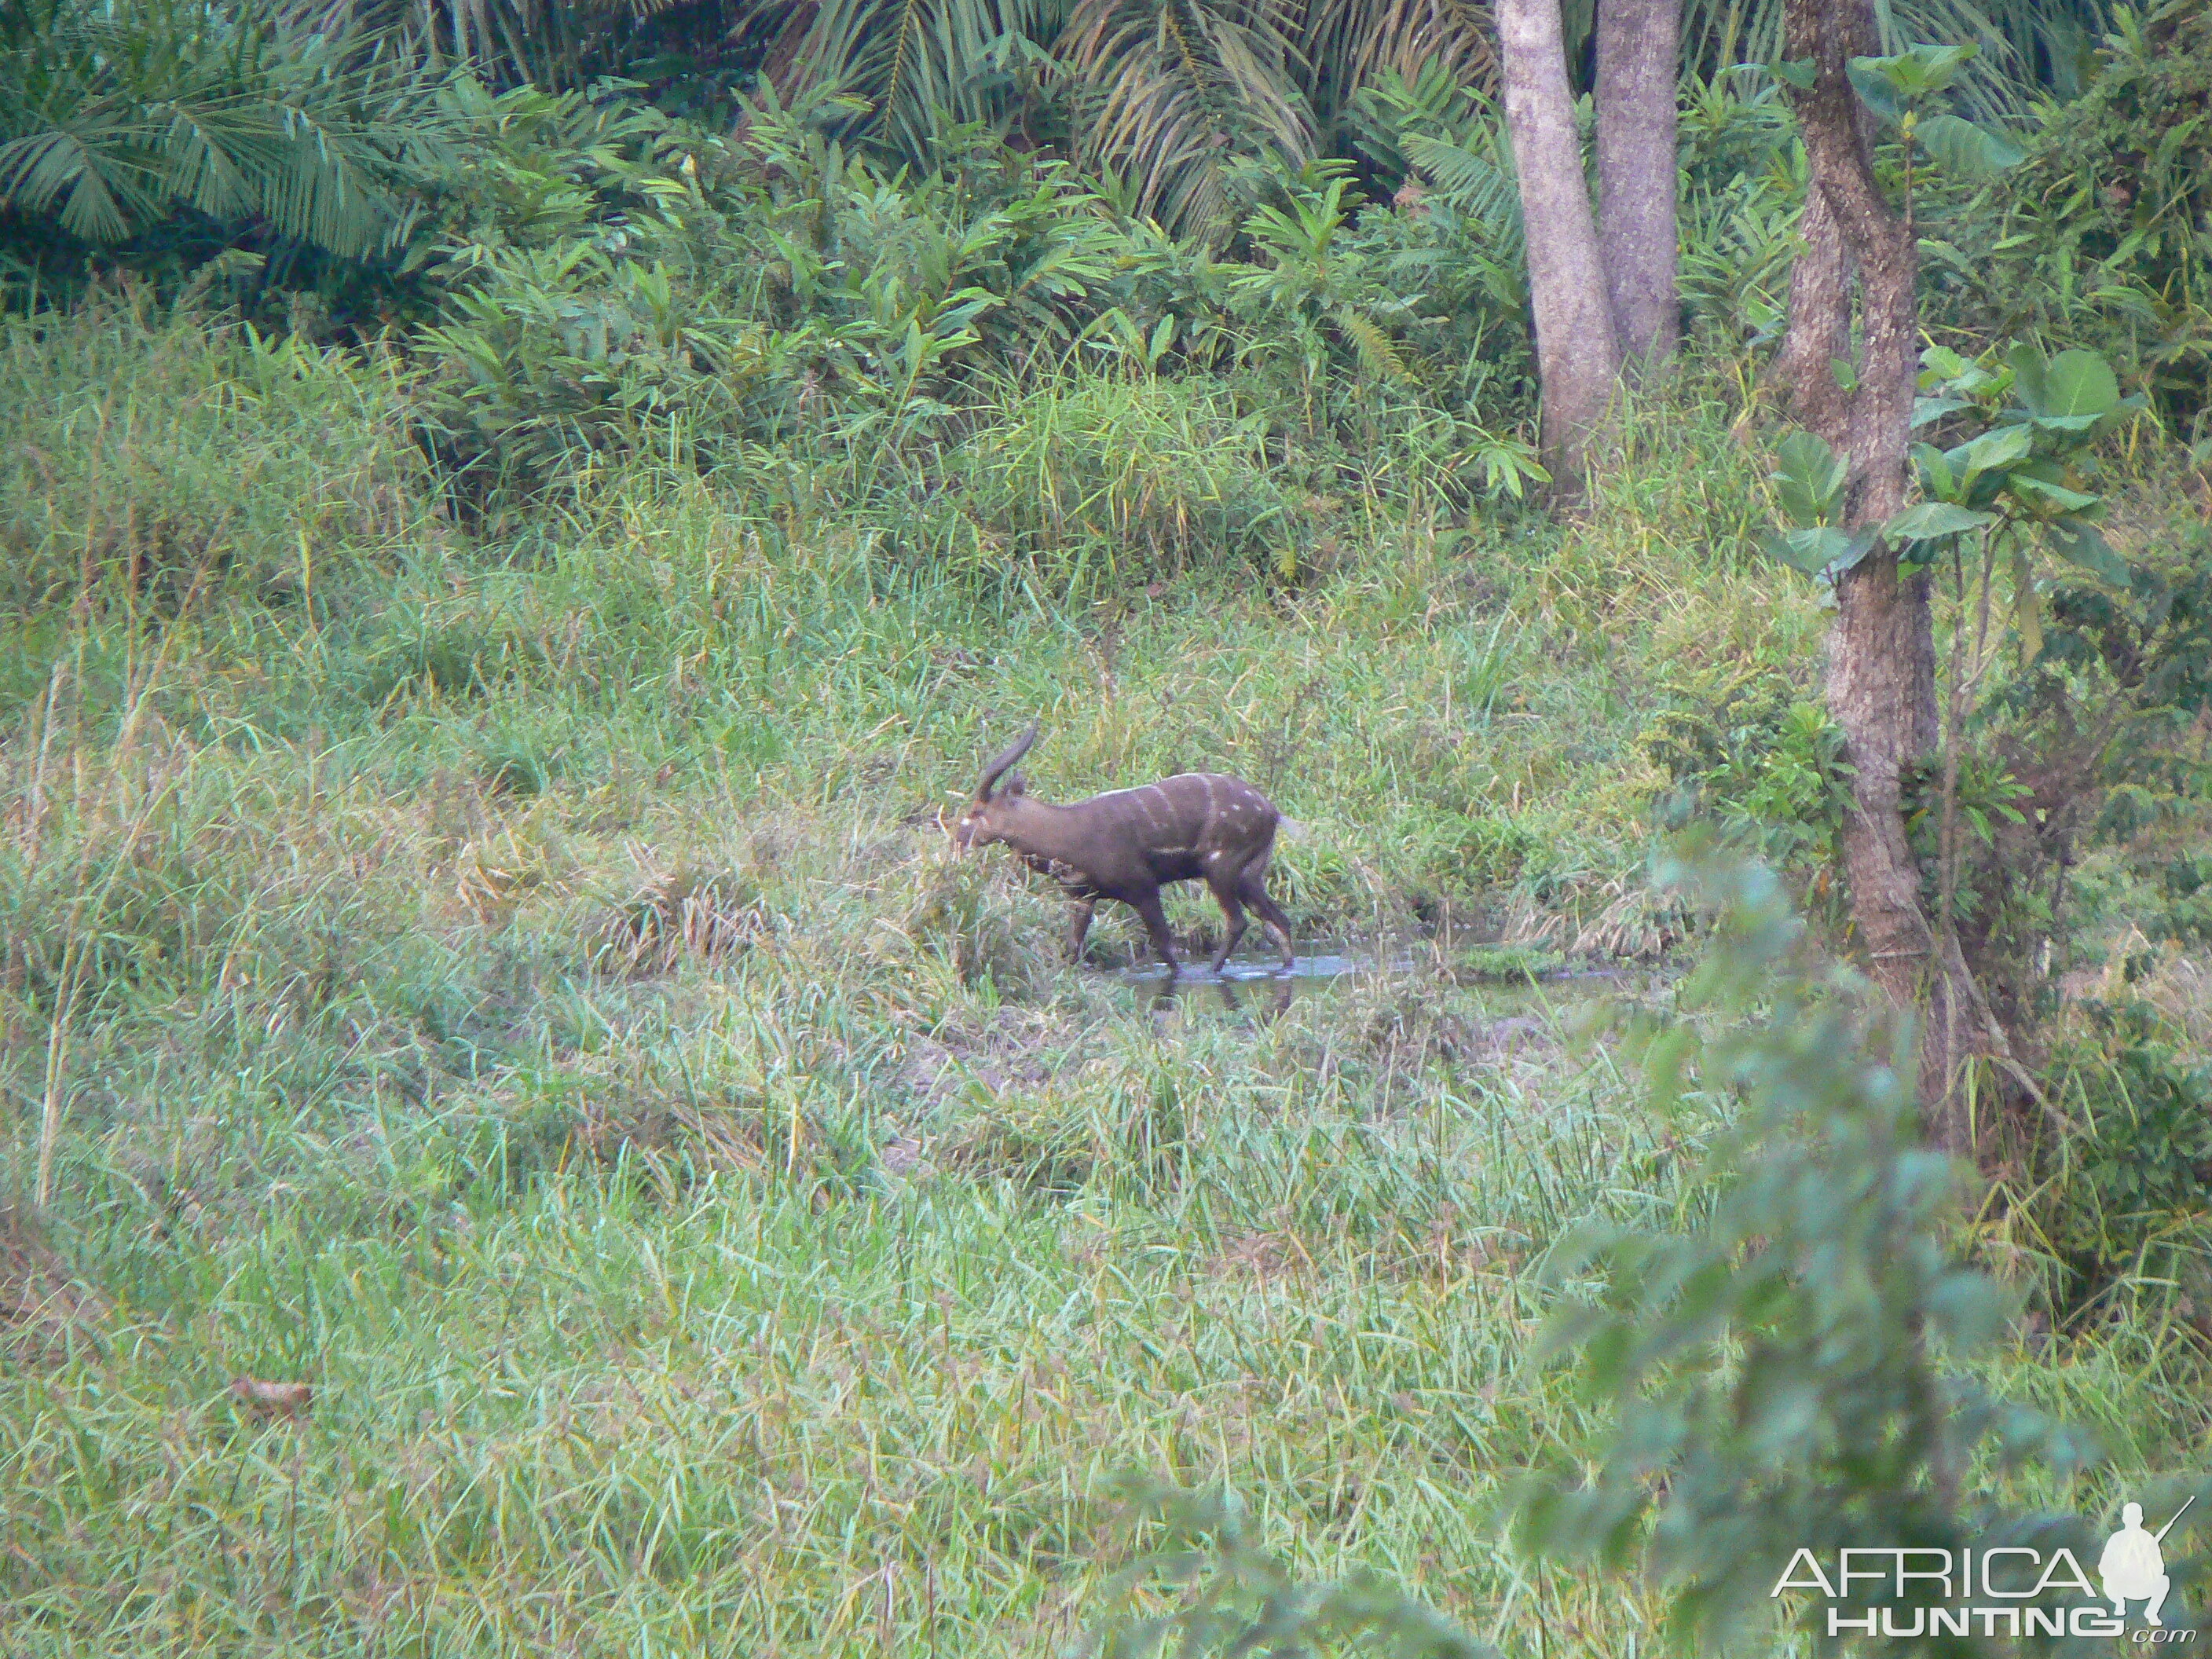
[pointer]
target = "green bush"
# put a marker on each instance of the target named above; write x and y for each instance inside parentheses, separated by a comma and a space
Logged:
(1746, 747)
(1793, 1370)
(2099, 238)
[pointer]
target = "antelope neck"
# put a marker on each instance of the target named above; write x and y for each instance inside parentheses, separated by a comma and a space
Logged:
(1047, 830)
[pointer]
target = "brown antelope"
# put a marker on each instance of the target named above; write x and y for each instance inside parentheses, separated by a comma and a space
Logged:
(1128, 844)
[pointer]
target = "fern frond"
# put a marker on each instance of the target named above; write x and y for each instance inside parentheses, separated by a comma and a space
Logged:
(1378, 353)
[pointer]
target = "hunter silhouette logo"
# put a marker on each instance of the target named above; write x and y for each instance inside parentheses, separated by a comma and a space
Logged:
(2012, 1590)
(2133, 1567)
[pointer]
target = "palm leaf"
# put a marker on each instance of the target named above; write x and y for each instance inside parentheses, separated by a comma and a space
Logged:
(114, 112)
(924, 66)
(1378, 353)
(1177, 87)
(1350, 44)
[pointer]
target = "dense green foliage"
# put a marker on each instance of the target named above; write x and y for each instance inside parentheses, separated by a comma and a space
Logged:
(2103, 237)
(1787, 1377)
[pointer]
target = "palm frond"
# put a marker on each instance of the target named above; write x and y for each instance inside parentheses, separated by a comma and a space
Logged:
(1378, 352)
(924, 66)
(1474, 176)
(1177, 87)
(114, 113)
(1348, 45)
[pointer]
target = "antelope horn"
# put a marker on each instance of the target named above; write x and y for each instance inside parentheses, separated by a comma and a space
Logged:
(999, 768)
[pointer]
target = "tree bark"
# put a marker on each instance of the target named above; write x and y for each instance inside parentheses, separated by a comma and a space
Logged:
(1638, 53)
(1881, 654)
(1577, 353)
(1819, 331)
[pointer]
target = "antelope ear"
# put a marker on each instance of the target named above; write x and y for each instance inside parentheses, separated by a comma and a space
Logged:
(1014, 785)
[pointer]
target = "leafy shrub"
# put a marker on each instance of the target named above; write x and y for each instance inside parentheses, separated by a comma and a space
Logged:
(583, 309)
(1741, 198)
(611, 282)
(2185, 885)
(1745, 746)
(1790, 1371)
(2099, 238)
(2126, 1194)
(2149, 1112)
(2089, 744)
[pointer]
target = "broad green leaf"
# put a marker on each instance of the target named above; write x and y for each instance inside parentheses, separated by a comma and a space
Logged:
(1922, 70)
(1940, 363)
(1990, 451)
(1937, 480)
(2071, 393)
(2080, 383)
(1964, 150)
(2031, 375)
(2047, 494)
(1926, 409)
(1821, 550)
(1889, 85)
(1809, 479)
(1931, 521)
(1874, 89)
(2081, 545)
(1799, 72)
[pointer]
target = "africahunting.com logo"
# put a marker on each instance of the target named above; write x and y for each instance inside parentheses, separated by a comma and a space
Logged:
(1944, 1592)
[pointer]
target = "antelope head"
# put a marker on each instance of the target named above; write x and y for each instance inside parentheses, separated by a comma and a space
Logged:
(985, 820)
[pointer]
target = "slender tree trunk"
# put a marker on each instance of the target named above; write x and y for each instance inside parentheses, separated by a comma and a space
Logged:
(1820, 332)
(1577, 353)
(1639, 54)
(1882, 656)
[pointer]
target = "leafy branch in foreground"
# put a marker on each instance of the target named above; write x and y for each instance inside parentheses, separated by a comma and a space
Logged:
(1235, 1598)
(1787, 1375)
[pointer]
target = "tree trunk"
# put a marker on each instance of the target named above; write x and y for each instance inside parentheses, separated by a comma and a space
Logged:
(1638, 53)
(1820, 333)
(1577, 354)
(1881, 654)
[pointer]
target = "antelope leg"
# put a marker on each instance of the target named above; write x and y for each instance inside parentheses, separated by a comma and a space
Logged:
(1084, 908)
(1254, 892)
(1156, 924)
(1234, 910)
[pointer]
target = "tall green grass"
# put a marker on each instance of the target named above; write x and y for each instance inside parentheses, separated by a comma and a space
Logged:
(526, 993)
